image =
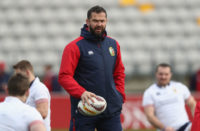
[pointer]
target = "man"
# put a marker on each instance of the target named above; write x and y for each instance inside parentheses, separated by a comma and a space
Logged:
(50, 79)
(91, 65)
(164, 102)
(39, 95)
(15, 115)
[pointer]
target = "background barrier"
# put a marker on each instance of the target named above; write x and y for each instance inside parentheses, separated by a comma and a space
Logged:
(132, 116)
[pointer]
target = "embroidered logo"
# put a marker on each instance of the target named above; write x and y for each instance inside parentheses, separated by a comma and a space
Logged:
(112, 52)
(174, 89)
(90, 52)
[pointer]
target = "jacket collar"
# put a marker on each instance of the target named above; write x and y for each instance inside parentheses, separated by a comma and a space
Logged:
(88, 35)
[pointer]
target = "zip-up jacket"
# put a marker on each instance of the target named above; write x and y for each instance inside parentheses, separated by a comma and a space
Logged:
(94, 64)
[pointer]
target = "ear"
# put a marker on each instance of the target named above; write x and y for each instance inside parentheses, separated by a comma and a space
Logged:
(27, 93)
(87, 22)
(171, 74)
(28, 73)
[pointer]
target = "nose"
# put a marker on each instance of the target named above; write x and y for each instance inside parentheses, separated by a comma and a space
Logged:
(99, 23)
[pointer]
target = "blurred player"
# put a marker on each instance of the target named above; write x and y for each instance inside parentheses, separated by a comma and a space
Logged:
(39, 95)
(15, 115)
(91, 65)
(4, 76)
(164, 102)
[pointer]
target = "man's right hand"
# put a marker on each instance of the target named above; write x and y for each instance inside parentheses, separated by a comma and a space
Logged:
(86, 96)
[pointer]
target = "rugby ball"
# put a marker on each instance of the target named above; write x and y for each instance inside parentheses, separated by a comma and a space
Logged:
(95, 108)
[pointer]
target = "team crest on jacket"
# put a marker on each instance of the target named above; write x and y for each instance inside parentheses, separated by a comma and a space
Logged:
(112, 52)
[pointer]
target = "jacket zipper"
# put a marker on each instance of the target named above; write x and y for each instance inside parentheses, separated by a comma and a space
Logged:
(102, 53)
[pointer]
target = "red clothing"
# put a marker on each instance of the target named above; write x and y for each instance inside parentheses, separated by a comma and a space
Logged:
(68, 66)
(196, 120)
(198, 81)
(47, 80)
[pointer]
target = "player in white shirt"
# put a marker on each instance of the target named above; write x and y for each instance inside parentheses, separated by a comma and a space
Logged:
(39, 95)
(164, 102)
(15, 115)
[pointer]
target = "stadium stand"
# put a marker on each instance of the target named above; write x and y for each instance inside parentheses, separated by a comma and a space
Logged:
(167, 31)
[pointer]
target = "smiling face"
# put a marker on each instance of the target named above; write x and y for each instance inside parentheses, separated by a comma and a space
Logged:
(97, 23)
(163, 75)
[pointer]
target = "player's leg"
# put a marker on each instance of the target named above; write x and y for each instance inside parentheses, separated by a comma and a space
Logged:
(110, 124)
